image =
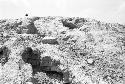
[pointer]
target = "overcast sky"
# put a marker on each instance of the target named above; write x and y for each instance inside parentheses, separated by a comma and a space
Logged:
(103, 10)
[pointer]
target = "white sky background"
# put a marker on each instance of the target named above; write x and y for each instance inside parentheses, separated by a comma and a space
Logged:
(103, 10)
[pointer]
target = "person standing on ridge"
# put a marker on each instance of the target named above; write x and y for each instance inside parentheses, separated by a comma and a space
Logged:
(26, 14)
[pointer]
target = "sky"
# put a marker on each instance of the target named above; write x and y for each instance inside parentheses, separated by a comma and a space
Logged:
(104, 10)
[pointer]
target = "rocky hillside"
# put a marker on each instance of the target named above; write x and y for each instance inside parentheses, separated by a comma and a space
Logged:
(61, 50)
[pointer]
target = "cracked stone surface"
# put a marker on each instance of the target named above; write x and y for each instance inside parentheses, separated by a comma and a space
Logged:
(61, 50)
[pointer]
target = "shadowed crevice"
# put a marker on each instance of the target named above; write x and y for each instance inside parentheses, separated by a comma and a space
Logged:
(45, 65)
(4, 55)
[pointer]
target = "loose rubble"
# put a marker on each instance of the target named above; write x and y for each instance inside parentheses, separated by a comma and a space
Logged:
(61, 50)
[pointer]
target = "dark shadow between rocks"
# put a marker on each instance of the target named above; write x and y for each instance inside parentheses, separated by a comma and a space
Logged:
(4, 55)
(73, 23)
(43, 65)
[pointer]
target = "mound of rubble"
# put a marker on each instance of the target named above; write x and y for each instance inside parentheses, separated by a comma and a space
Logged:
(61, 50)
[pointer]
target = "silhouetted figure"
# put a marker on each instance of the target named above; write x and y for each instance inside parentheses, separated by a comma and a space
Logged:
(26, 14)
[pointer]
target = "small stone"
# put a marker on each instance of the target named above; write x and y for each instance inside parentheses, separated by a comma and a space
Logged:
(90, 60)
(49, 40)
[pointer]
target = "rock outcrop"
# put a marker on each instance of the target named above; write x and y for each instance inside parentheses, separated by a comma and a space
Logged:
(61, 50)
